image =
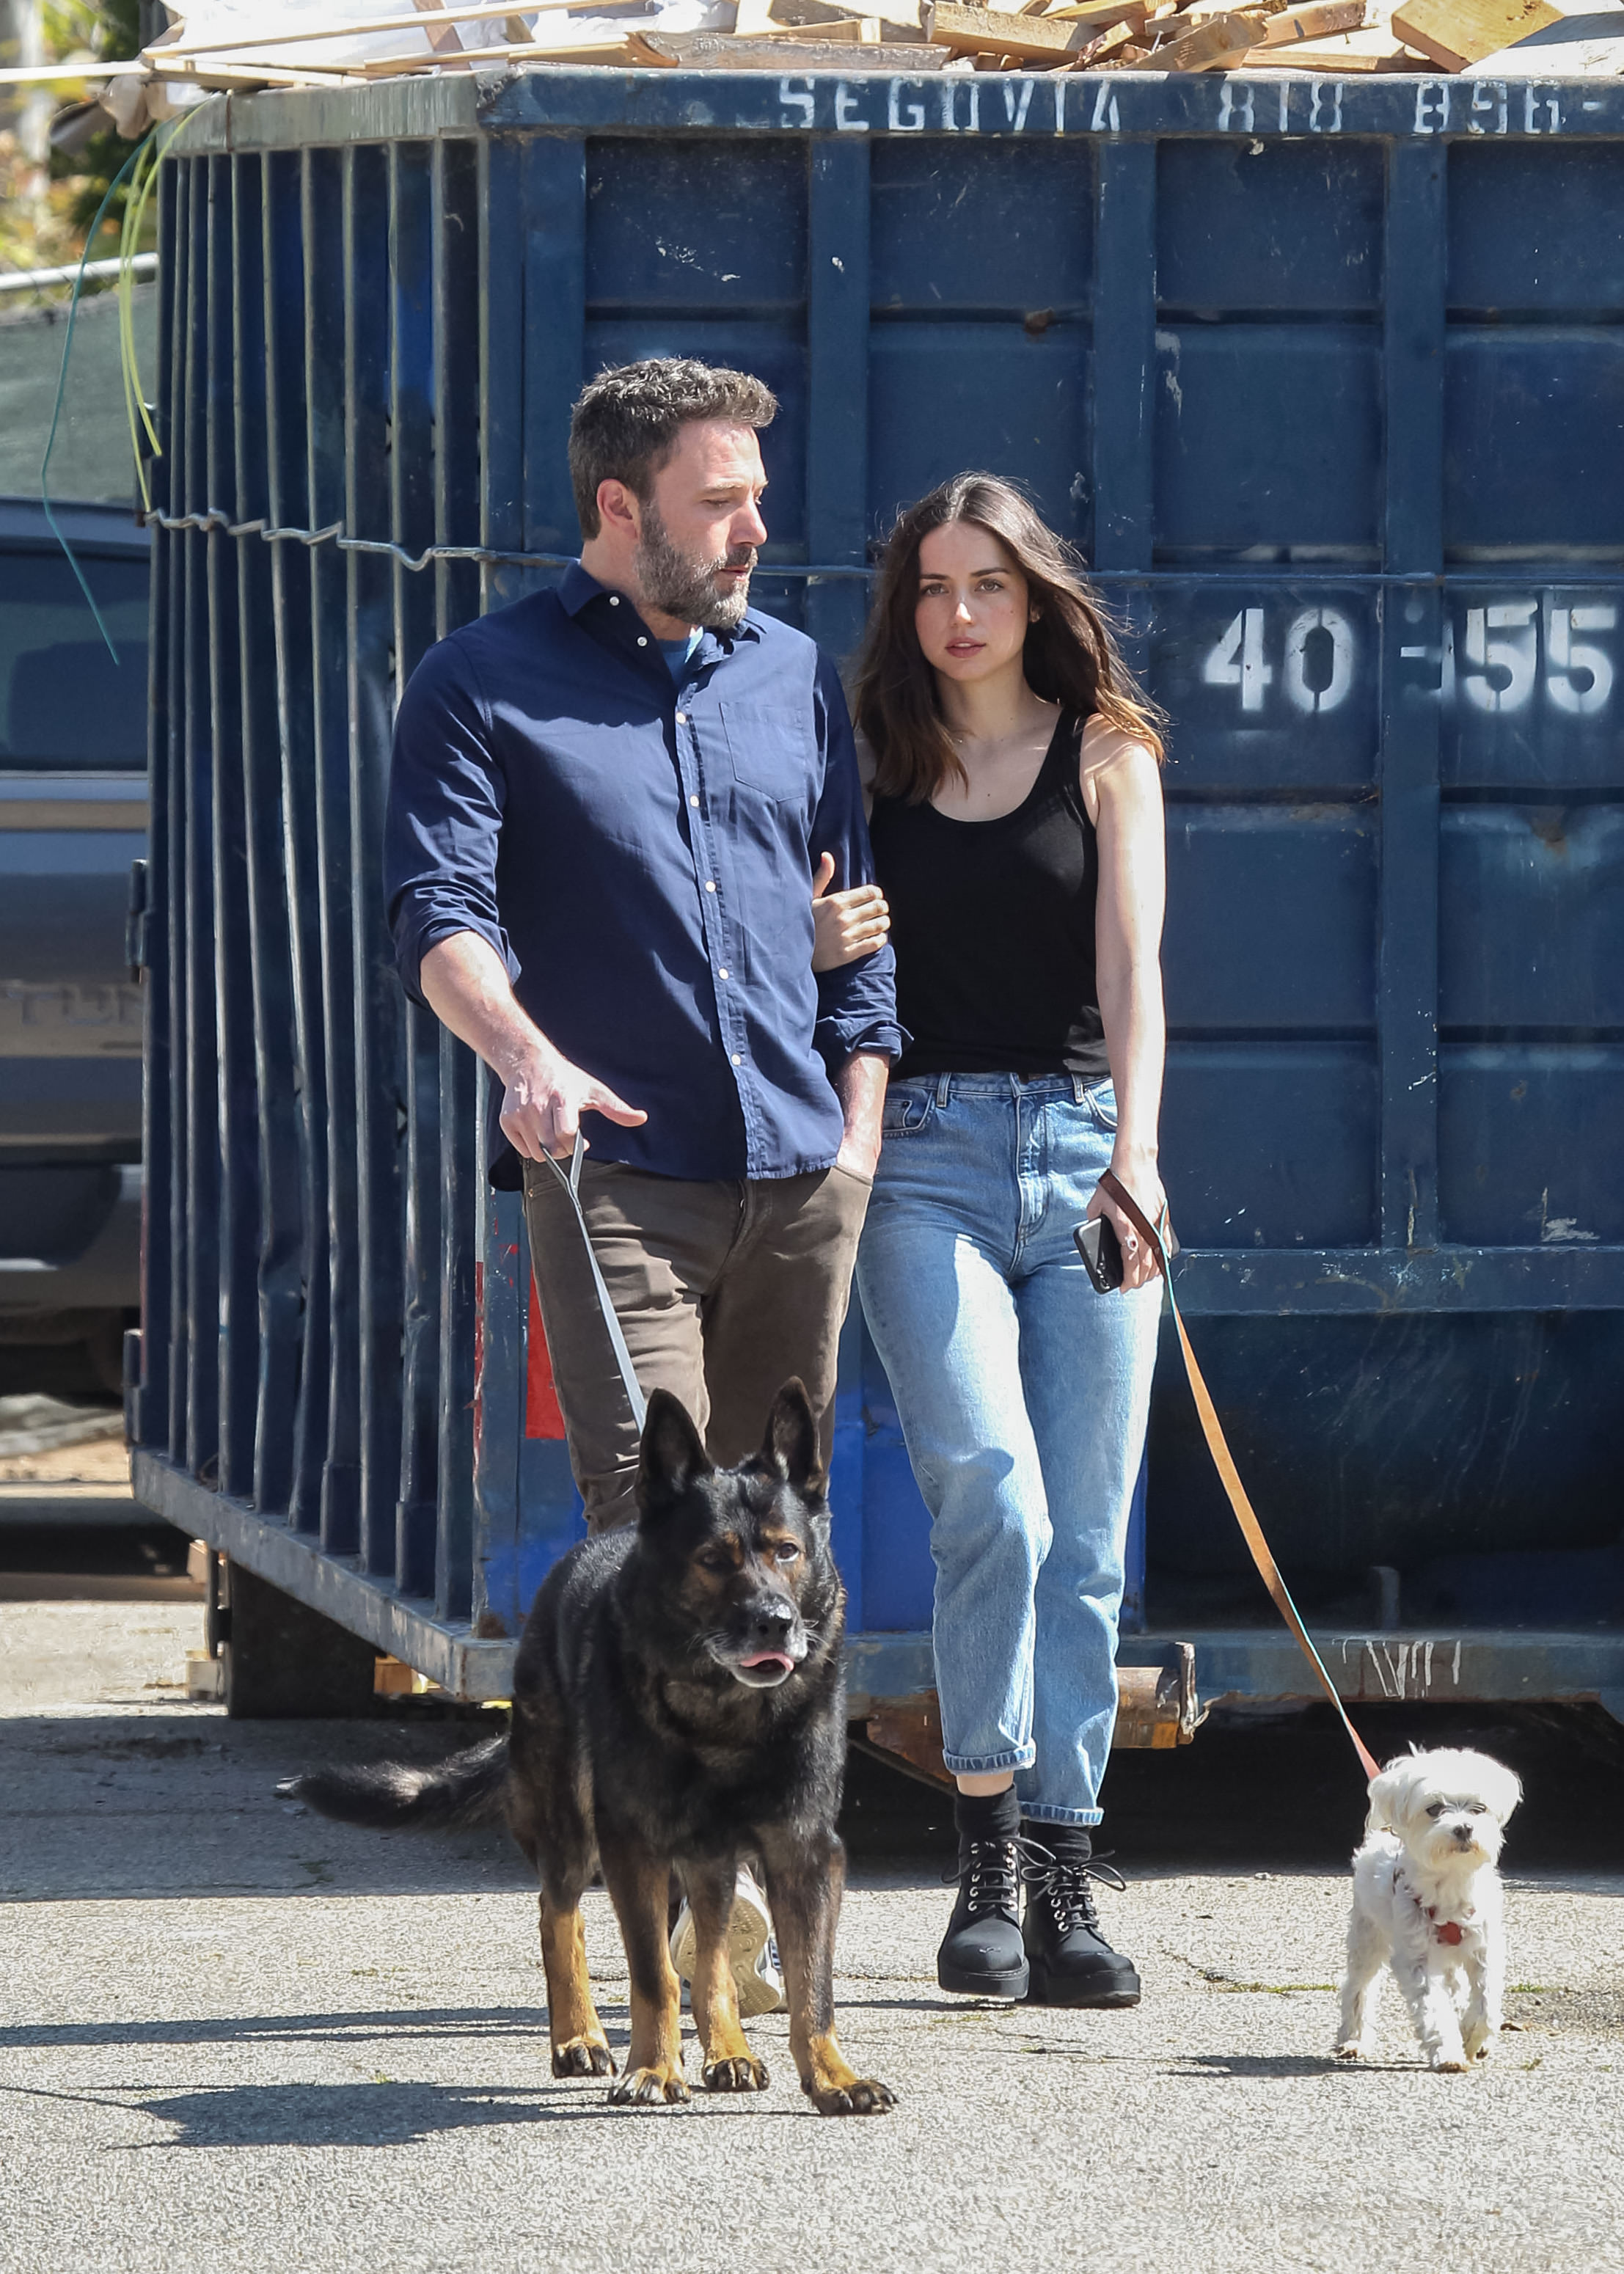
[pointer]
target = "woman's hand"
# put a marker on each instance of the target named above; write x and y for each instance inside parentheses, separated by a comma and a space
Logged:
(1138, 1171)
(845, 925)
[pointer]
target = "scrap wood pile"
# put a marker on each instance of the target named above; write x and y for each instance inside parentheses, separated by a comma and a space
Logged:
(212, 45)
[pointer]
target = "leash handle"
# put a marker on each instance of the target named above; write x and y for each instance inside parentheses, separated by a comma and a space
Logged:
(1229, 1475)
(570, 1178)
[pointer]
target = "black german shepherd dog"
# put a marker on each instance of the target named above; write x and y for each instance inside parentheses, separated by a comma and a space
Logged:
(679, 1700)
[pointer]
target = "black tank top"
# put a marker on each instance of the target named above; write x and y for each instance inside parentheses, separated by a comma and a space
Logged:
(993, 922)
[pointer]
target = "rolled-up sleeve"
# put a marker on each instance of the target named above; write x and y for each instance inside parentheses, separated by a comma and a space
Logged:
(444, 817)
(857, 1003)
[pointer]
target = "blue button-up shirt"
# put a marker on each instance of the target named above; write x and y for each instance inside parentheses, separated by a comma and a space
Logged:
(638, 849)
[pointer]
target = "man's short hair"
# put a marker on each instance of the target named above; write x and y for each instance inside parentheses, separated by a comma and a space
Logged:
(625, 423)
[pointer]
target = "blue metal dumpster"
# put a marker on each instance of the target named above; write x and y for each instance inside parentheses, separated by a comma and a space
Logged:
(1326, 378)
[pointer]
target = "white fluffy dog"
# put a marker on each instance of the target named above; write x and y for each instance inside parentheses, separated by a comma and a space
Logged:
(1427, 1901)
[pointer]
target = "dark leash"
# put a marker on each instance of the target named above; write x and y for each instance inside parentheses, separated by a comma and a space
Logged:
(1223, 1461)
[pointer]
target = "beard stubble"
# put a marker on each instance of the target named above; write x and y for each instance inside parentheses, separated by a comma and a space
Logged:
(679, 585)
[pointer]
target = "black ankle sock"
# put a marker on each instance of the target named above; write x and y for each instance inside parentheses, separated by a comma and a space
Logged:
(1067, 1843)
(987, 1815)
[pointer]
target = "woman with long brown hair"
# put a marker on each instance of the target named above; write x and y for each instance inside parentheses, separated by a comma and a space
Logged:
(1017, 839)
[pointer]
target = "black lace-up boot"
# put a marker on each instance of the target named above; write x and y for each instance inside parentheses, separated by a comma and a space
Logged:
(1071, 1963)
(982, 1954)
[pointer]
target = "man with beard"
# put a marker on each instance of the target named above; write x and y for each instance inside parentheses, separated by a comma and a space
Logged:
(608, 806)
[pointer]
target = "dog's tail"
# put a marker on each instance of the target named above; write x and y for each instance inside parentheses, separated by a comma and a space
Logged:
(390, 1797)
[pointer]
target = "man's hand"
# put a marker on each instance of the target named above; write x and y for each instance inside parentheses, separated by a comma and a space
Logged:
(1139, 1173)
(468, 989)
(845, 926)
(545, 1097)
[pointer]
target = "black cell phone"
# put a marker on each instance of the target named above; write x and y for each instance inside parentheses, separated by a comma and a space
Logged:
(1101, 1253)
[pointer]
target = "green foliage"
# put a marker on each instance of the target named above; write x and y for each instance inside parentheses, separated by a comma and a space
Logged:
(111, 30)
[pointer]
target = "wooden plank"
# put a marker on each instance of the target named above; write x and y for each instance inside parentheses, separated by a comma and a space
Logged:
(1222, 40)
(845, 31)
(911, 1727)
(722, 52)
(445, 39)
(1376, 40)
(823, 20)
(1346, 63)
(296, 34)
(1313, 22)
(1031, 38)
(1156, 1710)
(608, 51)
(1092, 13)
(1456, 32)
(67, 74)
(1600, 54)
(220, 77)
(1112, 47)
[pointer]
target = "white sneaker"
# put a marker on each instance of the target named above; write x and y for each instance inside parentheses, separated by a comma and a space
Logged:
(752, 1953)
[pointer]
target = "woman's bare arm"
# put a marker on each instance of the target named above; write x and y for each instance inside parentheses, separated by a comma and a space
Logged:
(1122, 791)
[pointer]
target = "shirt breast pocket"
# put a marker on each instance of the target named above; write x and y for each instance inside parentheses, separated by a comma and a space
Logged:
(773, 751)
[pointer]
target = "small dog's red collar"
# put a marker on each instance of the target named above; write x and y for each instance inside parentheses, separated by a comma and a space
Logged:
(1451, 1930)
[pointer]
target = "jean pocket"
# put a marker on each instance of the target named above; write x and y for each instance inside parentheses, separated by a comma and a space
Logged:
(907, 1113)
(1102, 1103)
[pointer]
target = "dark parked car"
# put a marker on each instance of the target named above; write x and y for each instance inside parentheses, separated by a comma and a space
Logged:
(73, 814)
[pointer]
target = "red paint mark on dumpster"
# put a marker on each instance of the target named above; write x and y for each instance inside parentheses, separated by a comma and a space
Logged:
(542, 1417)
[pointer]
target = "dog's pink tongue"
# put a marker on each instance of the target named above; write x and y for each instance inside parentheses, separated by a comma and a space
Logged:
(770, 1658)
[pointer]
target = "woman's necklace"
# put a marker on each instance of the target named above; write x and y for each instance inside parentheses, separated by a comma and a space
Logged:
(995, 749)
(992, 762)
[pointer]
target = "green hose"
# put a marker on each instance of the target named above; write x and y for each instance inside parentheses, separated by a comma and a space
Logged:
(152, 150)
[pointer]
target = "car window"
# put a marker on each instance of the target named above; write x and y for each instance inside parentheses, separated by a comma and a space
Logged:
(66, 706)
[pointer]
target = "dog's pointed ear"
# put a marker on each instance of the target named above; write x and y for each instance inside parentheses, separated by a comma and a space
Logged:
(671, 1457)
(791, 1443)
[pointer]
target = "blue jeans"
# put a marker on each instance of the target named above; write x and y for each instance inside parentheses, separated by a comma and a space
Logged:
(1023, 1395)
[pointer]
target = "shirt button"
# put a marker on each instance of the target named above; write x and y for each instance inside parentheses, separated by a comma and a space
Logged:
(721, 971)
(641, 641)
(682, 717)
(709, 885)
(737, 1059)
(614, 599)
(693, 801)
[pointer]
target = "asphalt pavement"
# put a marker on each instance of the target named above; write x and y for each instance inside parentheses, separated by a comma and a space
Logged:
(238, 2036)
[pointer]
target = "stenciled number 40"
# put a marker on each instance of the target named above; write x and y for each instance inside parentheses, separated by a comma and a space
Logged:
(1316, 668)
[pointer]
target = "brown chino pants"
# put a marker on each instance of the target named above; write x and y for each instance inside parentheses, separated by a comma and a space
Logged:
(723, 1292)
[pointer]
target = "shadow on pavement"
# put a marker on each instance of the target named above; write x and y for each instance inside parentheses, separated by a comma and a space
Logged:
(182, 1803)
(398, 2022)
(1251, 2065)
(378, 2114)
